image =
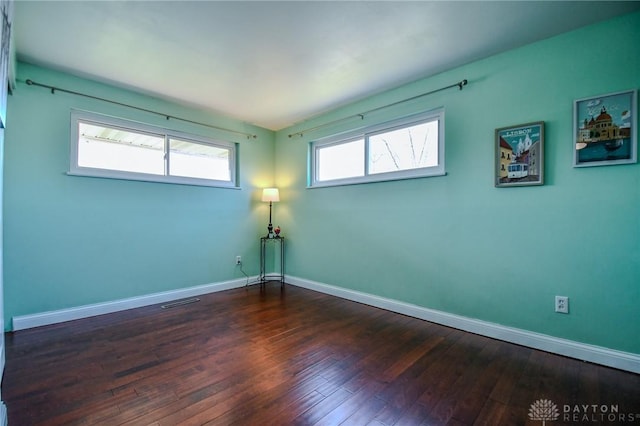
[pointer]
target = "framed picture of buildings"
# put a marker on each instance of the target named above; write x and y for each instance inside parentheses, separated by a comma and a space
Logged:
(520, 155)
(605, 130)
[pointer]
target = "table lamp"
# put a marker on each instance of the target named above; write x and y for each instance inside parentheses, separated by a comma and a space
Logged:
(271, 195)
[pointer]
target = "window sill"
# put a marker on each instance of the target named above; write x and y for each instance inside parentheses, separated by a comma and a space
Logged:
(175, 180)
(371, 179)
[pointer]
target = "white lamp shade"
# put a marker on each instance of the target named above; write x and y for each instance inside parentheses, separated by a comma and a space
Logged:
(270, 194)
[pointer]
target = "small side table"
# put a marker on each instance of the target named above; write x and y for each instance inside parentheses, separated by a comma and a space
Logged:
(264, 241)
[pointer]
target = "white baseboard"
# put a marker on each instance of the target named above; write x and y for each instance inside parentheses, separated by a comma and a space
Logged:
(596, 354)
(22, 322)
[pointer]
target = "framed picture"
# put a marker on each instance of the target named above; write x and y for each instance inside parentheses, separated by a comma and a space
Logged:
(520, 155)
(605, 130)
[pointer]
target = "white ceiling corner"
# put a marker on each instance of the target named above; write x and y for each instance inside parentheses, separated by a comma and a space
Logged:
(276, 63)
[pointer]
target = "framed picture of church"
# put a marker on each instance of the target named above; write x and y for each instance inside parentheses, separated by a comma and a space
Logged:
(605, 130)
(519, 158)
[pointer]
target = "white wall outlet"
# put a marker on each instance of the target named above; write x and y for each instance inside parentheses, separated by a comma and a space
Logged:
(238, 260)
(562, 304)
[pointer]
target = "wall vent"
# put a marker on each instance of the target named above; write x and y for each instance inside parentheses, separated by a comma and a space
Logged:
(180, 303)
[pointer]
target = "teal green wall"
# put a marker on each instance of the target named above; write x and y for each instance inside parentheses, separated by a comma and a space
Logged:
(458, 244)
(2, 322)
(72, 241)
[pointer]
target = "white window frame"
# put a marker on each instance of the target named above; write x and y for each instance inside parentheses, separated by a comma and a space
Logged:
(78, 116)
(366, 132)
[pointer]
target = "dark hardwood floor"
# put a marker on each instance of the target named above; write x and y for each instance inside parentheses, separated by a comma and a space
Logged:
(270, 357)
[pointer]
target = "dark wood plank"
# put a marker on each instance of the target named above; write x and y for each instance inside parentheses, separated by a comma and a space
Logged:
(256, 356)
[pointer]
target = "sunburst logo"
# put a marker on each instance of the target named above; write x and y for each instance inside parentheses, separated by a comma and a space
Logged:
(544, 410)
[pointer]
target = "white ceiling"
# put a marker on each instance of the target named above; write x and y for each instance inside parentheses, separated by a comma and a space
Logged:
(276, 63)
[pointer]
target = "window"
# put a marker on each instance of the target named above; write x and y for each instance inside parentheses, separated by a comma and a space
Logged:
(404, 148)
(341, 161)
(105, 146)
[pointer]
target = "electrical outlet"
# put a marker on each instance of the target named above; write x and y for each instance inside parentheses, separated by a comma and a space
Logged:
(238, 260)
(562, 304)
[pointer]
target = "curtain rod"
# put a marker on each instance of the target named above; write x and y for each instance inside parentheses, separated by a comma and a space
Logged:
(459, 84)
(167, 116)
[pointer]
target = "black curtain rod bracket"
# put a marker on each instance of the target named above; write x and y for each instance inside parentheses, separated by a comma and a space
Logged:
(53, 89)
(361, 115)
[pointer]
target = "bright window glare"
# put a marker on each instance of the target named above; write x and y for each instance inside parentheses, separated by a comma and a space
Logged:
(404, 149)
(201, 161)
(116, 148)
(112, 149)
(341, 161)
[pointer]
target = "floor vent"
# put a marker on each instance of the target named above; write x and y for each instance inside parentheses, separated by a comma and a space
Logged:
(180, 303)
